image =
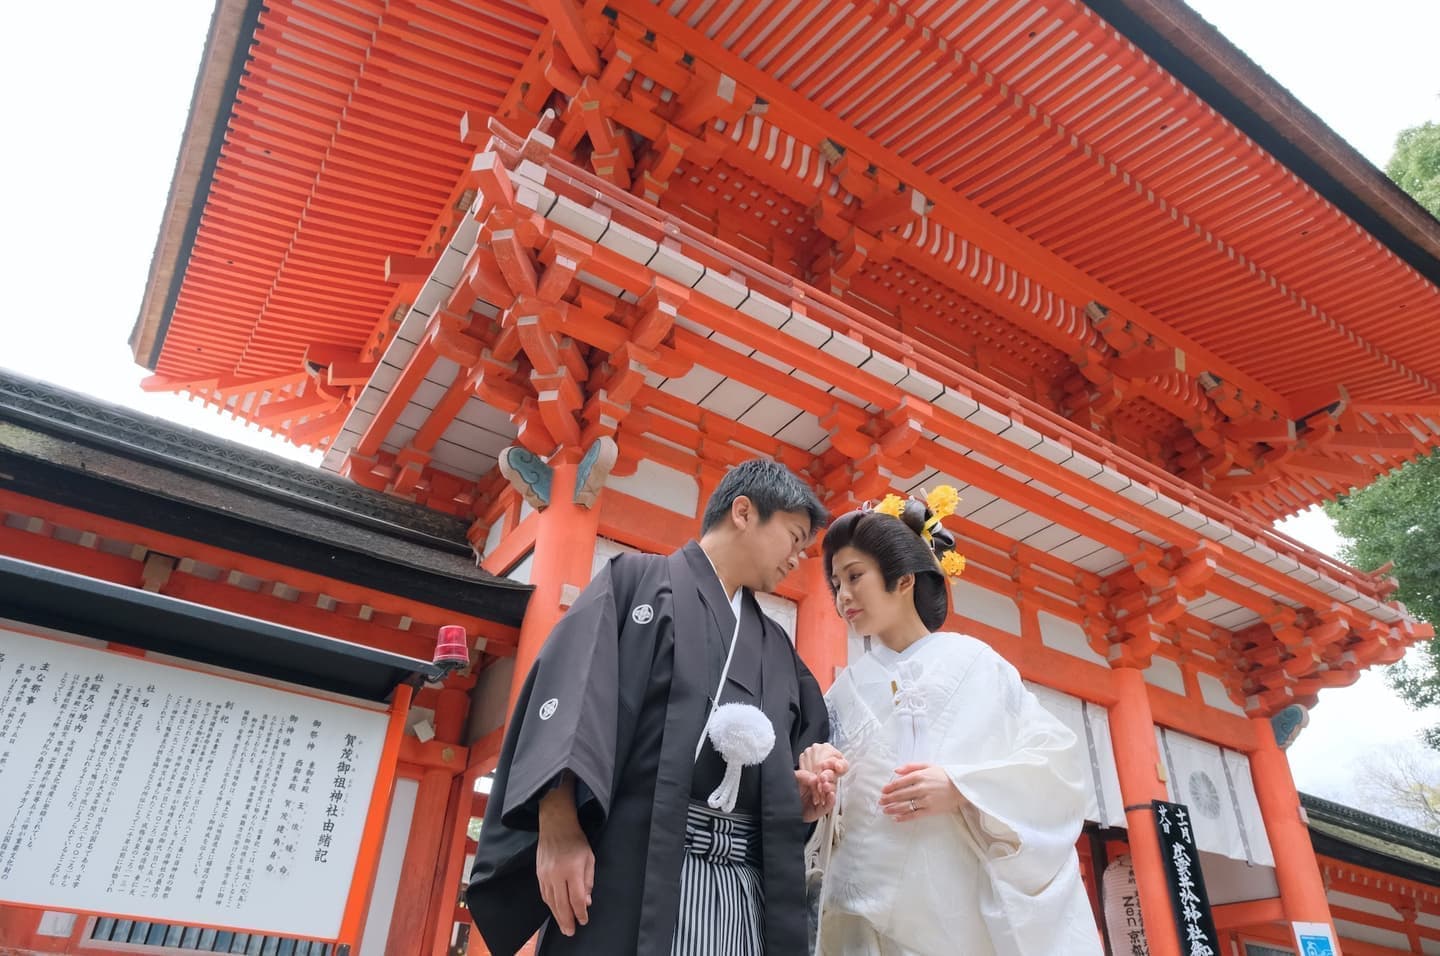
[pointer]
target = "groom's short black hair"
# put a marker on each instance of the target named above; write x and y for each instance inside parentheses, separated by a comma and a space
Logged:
(771, 487)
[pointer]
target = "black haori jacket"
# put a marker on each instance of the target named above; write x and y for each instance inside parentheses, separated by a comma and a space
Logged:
(619, 696)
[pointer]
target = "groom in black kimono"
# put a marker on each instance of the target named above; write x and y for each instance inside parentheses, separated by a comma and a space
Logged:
(586, 827)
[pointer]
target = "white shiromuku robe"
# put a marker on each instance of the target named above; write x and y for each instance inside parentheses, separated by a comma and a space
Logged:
(1000, 878)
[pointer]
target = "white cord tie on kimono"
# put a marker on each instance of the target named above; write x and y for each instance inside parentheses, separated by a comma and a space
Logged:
(744, 736)
(741, 734)
(910, 707)
(720, 687)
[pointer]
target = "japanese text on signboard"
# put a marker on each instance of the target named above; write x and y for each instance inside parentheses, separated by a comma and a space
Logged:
(152, 790)
(1185, 880)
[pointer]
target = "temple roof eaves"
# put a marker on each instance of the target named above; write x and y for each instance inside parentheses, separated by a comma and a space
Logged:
(1364, 839)
(94, 456)
(227, 45)
(1199, 55)
(1168, 31)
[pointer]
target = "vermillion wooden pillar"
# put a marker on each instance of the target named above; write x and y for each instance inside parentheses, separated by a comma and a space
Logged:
(1137, 763)
(430, 872)
(564, 551)
(17, 928)
(820, 634)
(1302, 888)
(1406, 909)
(418, 872)
(452, 707)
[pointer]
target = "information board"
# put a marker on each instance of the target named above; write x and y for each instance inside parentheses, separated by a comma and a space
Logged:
(1314, 939)
(152, 790)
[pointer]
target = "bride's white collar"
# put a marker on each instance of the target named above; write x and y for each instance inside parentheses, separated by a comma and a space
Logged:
(888, 658)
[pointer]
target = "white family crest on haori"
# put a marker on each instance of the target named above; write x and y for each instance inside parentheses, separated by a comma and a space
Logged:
(547, 709)
(642, 614)
(744, 737)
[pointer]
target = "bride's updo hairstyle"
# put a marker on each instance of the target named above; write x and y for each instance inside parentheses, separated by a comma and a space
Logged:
(903, 536)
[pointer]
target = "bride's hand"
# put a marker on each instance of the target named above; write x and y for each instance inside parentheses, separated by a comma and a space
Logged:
(919, 790)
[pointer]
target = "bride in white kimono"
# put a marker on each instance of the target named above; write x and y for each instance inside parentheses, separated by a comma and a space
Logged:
(955, 830)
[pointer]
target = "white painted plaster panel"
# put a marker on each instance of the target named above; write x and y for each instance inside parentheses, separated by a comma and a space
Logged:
(665, 487)
(884, 368)
(629, 243)
(669, 262)
(1165, 673)
(1067, 637)
(387, 872)
(1077, 548)
(767, 310)
(1022, 435)
(1082, 465)
(493, 536)
(985, 606)
(990, 420)
(694, 385)
(1111, 480)
(1102, 562)
(1050, 538)
(1397, 942)
(579, 219)
(846, 349)
(721, 288)
(769, 415)
(731, 398)
(804, 432)
(996, 513)
(1052, 451)
(806, 330)
(1213, 692)
(957, 404)
(921, 385)
(1023, 526)
(782, 610)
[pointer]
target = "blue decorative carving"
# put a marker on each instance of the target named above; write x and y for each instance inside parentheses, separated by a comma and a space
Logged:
(582, 471)
(527, 474)
(1287, 724)
(593, 470)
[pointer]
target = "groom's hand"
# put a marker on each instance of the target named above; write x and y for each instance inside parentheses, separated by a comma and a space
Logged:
(564, 862)
(817, 794)
(820, 766)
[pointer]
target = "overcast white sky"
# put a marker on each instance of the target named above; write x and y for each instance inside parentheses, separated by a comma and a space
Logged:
(93, 97)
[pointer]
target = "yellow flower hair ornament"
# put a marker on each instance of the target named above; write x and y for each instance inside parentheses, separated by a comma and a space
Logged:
(924, 516)
(892, 505)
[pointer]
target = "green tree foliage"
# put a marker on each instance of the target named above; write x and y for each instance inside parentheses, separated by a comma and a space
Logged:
(1415, 167)
(1397, 519)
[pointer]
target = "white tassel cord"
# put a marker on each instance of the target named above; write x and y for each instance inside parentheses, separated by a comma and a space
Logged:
(744, 737)
(910, 706)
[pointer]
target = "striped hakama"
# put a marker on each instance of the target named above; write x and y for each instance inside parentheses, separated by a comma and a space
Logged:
(722, 894)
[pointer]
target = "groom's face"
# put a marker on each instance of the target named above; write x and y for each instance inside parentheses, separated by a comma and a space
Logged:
(773, 545)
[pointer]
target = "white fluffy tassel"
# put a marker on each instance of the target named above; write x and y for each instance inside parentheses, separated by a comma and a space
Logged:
(744, 737)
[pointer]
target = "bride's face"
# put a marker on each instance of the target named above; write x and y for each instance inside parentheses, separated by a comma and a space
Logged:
(860, 594)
